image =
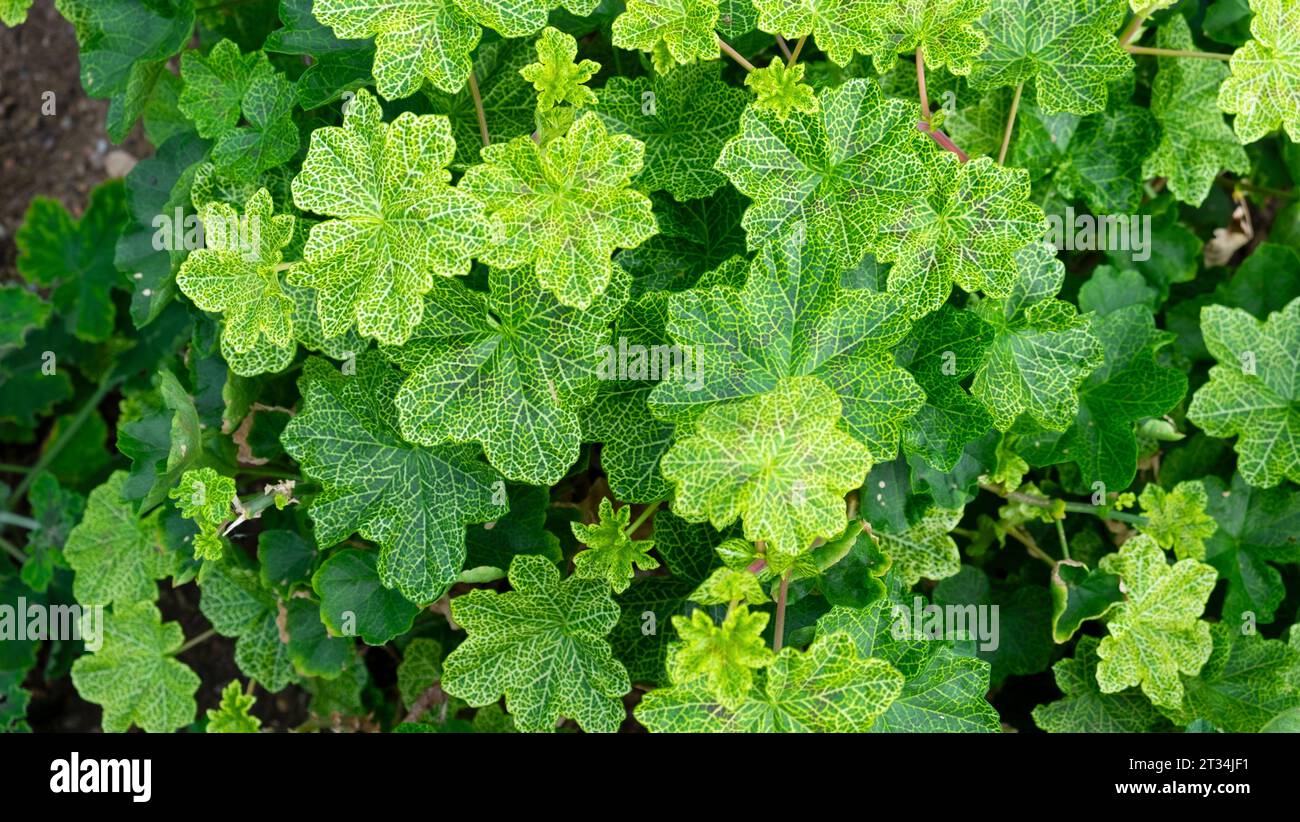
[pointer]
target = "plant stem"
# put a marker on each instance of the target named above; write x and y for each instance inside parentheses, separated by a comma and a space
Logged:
(920, 85)
(30, 524)
(106, 384)
(733, 54)
(798, 47)
(1060, 534)
(1105, 513)
(1199, 55)
(1011, 123)
(943, 140)
(1132, 29)
(643, 516)
(783, 46)
(200, 638)
(13, 550)
(478, 108)
(1245, 185)
(1031, 546)
(11, 468)
(778, 635)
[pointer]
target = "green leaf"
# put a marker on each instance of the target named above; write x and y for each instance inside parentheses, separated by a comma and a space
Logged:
(1253, 390)
(74, 258)
(312, 649)
(13, 13)
(1177, 519)
(421, 666)
(522, 531)
(556, 77)
(232, 715)
(827, 689)
(161, 433)
(1087, 709)
(1262, 89)
(354, 602)
(270, 137)
(414, 501)
(1079, 595)
(543, 646)
(683, 118)
(1245, 683)
(727, 585)
(206, 497)
(1155, 635)
(1129, 386)
(1068, 47)
(682, 28)
(1104, 159)
(723, 656)
(58, 511)
(1109, 290)
(696, 238)
(565, 207)
(777, 461)
(945, 31)
(125, 46)
(641, 638)
(515, 348)
(1255, 528)
(943, 349)
(233, 276)
(611, 552)
(237, 605)
(1195, 142)
(20, 311)
(1021, 643)
(13, 703)
(415, 41)
(215, 85)
(781, 90)
(1041, 350)
(841, 28)
(117, 556)
(839, 173)
(509, 104)
(133, 675)
(924, 550)
(337, 66)
(966, 230)
(792, 319)
(943, 692)
(398, 225)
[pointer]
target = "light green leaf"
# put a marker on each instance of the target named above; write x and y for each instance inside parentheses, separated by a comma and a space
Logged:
(682, 28)
(133, 675)
(205, 496)
(565, 207)
(1177, 519)
(841, 28)
(1245, 683)
(556, 77)
(1041, 351)
(925, 550)
(723, 656)
(543, 646)
(399, 226)
(777, 461)
(1253, 390)
(1155, 635)
(727, 585)
(611, 552)
(215, 85)
(415, 40)
(781, 90)
(1068, 47)
(944, 31)
(1085, 708)
(13, 13)
(839, 173)
(414, 501)
(237, 605)
(1263, 90)
(1195, 142)
(828, 689)
(116, 555)
(232, 715)
(966, 230)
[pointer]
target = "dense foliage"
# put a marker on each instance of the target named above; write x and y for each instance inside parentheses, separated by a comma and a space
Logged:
(677, 364)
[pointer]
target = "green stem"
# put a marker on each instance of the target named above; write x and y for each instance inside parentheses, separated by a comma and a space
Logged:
(778, 635)
(478, 108)
(1132, 29)
(106, 384)
(920, 86)
(643, 516)
(13, 551)
(1245, 185)
(200, 638)
(1011, 124)
(30, 524)
(784, 46)
(11, 468)
(733, 54)
(1104, 512)
(266, 473)
(1060, 534)
(798, 47)
(1198, 55)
